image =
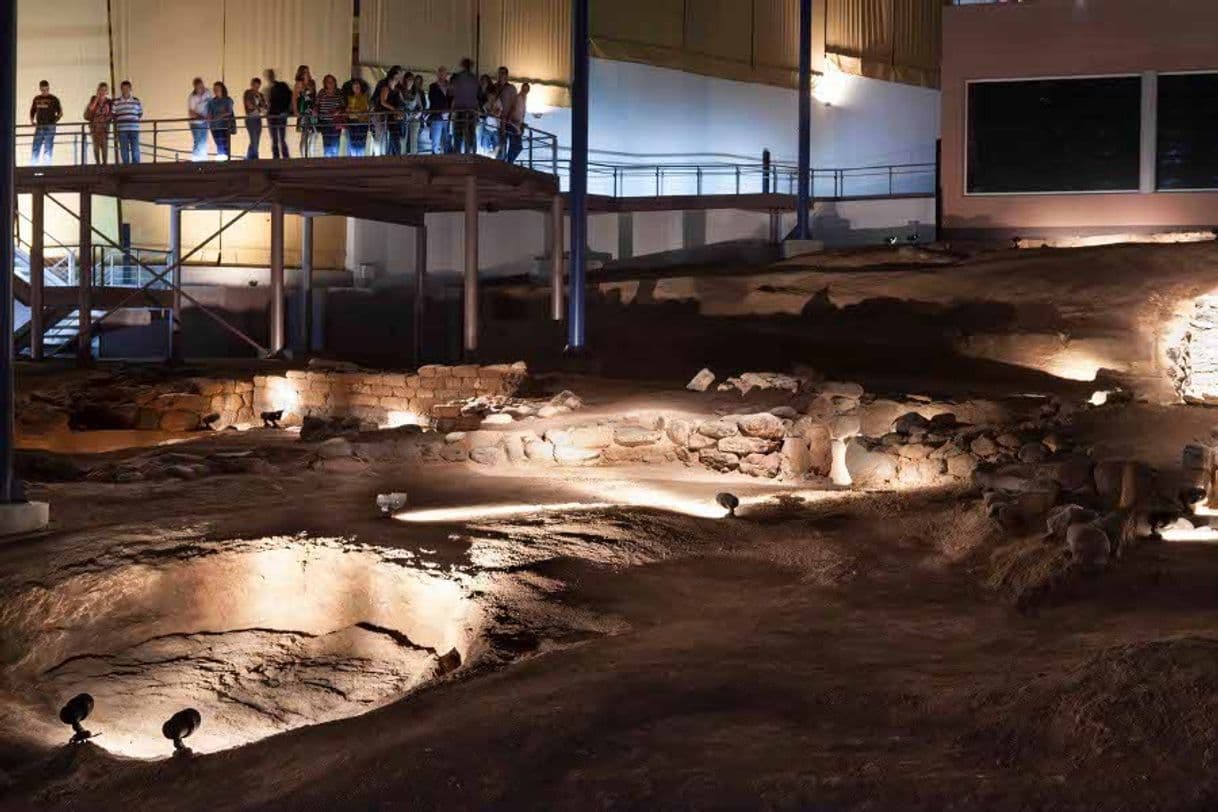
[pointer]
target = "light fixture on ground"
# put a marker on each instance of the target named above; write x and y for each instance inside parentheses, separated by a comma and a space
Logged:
(180, 726)
(390, 503)
(208, 422)
(270, 419)
(729, 502)
(73, 713)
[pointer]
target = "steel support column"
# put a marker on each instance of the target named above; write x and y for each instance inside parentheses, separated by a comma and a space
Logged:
(175, 261)
(420, 289)
(276, 332)
(471, 266)
(580, 74)
(9, 490)
(84, 289)
(802, 213)
(37, 272)
(306, 283)
(556, 258)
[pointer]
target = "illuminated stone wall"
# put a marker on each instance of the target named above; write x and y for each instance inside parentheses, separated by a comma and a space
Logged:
(382, 398)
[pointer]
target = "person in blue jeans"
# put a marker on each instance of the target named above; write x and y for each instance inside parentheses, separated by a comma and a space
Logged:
(196, 111)
(126, 111)
(437, 106)
(513, 123)
(255, 108)
(45, 113)
(221, 119)
(278, 108)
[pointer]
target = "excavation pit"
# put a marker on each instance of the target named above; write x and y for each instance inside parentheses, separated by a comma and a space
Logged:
(261, 636)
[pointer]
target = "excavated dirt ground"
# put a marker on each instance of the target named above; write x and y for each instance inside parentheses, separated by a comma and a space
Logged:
(835, 650)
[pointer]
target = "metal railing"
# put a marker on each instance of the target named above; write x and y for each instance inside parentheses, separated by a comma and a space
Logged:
(697, 179)
(251, 138)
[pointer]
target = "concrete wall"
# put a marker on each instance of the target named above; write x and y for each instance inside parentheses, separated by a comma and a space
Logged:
(1058, 38)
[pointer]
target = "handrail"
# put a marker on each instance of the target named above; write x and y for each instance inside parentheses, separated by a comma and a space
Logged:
(242, 137)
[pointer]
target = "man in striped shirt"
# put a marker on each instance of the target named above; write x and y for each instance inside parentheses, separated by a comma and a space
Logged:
(127, 112)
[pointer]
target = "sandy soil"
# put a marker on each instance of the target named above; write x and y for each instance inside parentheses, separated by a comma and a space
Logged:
(843, 653)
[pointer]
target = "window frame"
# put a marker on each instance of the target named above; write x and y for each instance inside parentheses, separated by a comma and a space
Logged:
(966, 129)
(1159, 190)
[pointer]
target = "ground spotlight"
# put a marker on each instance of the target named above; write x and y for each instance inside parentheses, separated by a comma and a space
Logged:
(390, 503)
(270, 420)
(208, 422)
(73, 713)
(180, 726)
(729, 502)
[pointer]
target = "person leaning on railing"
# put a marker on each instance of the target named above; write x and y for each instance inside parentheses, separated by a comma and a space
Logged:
(196, 111)
(330, 106)
(304, 104)
(513, 123)
(355, 95)
(438, 104)
(278, 108)
(127, 112)
(98, 114)
(221, 119)
(255, 108)
(414, 105)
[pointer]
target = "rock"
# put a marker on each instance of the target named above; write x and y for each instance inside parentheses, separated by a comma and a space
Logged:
(483, 439)
(761, 465)
(575, 455)
(701, 382)
(844, 405)
(821, 408)
(764, 381)
(697, 442)
(594, 437)
(186, 472)
(340, 465)
(839, 389)
(820, 450)
(513, 447)
(488, 455)
(719, 460)
(679, 431)
(764, 425)
(538, 450)
(455, 437)
(1009, 441)
(548, 411)
(909, 423)
(844, 427)
(784, 413)
(1062, 517)
(178, 420)
(795, 459)
(566, 399)
(944, 421)
(961, 466)
(1053, 443)
(876, 418)
(983, 447)
(454, 453)
(498, 419)
(44, 466)
(718, 429)
(334, 448)
(634, 436)
(1074, 473)
(743, 446)
(869, 468)
(1088, 545)
(1033, 452)
(892, 440)
(914, 451)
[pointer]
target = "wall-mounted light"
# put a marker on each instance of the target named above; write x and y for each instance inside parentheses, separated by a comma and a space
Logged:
(831, 87)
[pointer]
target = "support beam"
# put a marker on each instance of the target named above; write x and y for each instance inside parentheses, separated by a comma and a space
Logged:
(276, 331)
(580, 74)
(471, 266)
(84, 289)
(420, 289)
(175, 262)
(9, 489)
(37, 272)
(306, 283)
(556, 258)
(802, 230)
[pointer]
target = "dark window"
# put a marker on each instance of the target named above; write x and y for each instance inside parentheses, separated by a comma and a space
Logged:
(1054, 135)
(1188, 132)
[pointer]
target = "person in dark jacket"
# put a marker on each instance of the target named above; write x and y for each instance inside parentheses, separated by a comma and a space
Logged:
(437, 105)
(278, 108)
(45, 113)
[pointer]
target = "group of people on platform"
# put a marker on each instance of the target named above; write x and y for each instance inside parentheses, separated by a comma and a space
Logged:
(457, 113)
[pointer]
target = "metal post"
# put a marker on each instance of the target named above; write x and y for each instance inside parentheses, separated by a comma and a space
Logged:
(580, 78)
(9, 491)
(805, 119)
(420, 288)
(556, 258)
(175, 294)
(765, 171)
(276, 327)
(37, 271)
(471, 266)
(84, 286)
(306, 282)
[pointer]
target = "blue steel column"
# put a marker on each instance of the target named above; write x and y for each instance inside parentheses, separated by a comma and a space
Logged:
(576, 311)
(802, 231)
(8, 201)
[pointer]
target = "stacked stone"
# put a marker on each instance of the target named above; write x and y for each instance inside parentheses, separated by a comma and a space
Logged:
(380, 398)
(1195, 359)
(190, 403)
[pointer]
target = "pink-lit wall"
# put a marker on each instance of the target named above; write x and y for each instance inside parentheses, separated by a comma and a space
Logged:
(1059, 38)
